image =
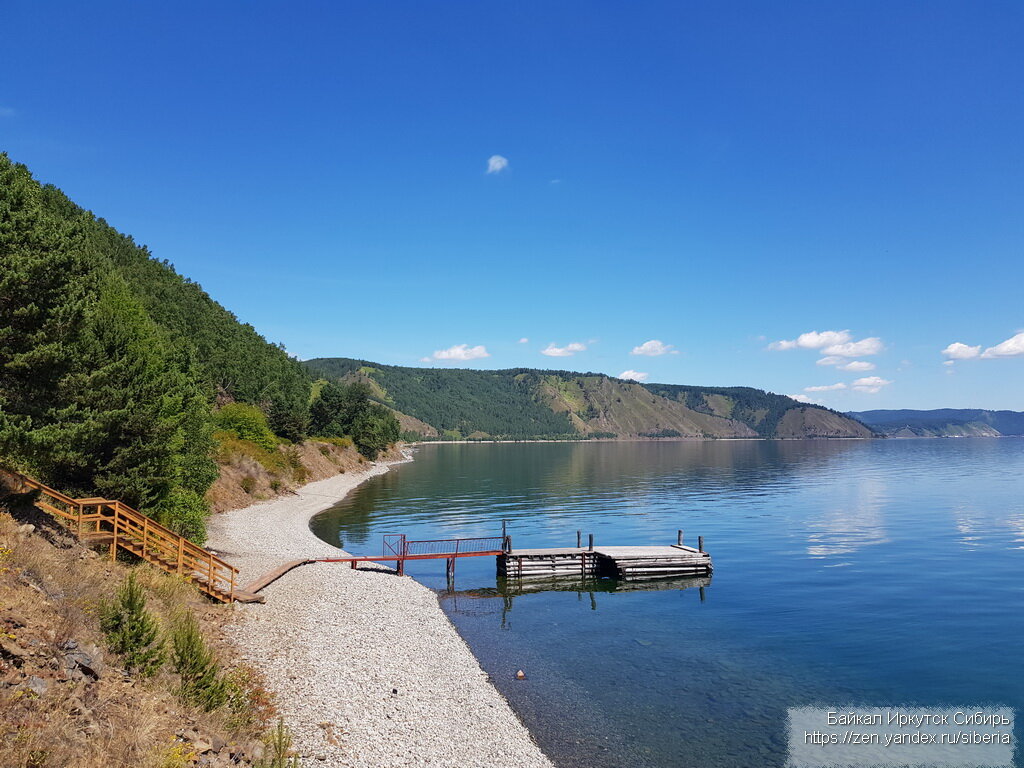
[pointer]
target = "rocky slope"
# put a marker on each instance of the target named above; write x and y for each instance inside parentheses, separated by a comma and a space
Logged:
(944, 422)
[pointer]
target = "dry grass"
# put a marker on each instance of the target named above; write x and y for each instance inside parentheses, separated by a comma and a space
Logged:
(49, 603)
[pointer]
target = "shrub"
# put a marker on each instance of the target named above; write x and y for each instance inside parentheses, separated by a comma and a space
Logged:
(201, 682)
(279, 747)
(184, 512)
(248, 483)
(131, 630)
(247, 422)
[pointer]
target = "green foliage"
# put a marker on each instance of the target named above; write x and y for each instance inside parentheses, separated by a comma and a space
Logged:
(373, 430)
(202, 684)
(504, 404)
(247, 422)
(348, 410)
(131, 631)
(184, 511)
(279, 749)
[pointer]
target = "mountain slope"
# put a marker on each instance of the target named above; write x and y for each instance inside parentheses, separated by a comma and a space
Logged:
(522, 403)
(944, 422)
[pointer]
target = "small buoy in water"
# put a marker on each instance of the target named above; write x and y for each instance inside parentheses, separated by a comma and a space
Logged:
(520, 675)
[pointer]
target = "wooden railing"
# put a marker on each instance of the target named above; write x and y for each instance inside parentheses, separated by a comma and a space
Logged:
(107, 521)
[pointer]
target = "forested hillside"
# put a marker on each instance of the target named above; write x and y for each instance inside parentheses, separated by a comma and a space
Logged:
(115, 370)
(524, 403)
(944, 422)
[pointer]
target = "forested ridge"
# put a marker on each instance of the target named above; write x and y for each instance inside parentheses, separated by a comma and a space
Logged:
(121, 378)
(944, 422)
(525, 403)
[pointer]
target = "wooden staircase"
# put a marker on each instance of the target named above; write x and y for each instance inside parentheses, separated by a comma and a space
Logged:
(114, 524)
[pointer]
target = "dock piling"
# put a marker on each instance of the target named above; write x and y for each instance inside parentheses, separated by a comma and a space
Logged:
(591, 542)
(700, 543)
(679, 537)
(579, 539)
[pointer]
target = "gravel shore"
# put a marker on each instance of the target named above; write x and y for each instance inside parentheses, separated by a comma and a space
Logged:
(368, 671)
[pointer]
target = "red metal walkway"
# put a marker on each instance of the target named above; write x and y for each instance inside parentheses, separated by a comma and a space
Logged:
(398, 549)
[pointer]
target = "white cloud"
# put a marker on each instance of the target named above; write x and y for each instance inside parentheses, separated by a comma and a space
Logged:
(869, 346)
(831, 360)
(801, 398)
(871, 384)
(496, 164)
(524, 340)
(857, 366)
(567, 351)
(1012, 347)
(958, 351)
(654, 348)
(826, 387)
(634, 375)
(812, 340)
(426, 359)
(460, 352)
(948, 362)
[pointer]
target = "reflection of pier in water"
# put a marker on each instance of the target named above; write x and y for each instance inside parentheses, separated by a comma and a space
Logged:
(485, 600)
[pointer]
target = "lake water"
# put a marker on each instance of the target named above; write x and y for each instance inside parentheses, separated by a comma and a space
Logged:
(879, 572)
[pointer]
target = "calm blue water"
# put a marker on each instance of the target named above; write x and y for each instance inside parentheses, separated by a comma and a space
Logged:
(875, 572)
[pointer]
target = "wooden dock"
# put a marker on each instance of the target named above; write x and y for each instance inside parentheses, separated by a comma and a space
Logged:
(624, 563)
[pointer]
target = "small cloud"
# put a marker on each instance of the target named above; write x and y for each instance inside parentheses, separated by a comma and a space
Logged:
(831, 360)
(812, 340)
(523, 340)
(857, 366)
(802, 399)
(459, 352)
(555, 181)
(871, 384)
(1012, 347)
(496, 164)
(949, 362)
(654, 348)
(634, 375)
(958, 351)
(869, 346)
(826, 387)
(426, 359)
(567, 351)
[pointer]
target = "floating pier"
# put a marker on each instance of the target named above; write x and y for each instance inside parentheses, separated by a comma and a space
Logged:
(624, 563)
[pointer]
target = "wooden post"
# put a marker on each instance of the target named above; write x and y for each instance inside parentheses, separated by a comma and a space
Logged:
(679, 537)
(181, 555)
(579, 539)
(508, 546)
(113, 542)
(591, 536)
(700, 543)
(504, 529)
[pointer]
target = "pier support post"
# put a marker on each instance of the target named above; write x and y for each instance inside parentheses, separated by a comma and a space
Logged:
(700, 543)
(579, 539)
(504, 529)
(508, 544)
(679, 537)
(591, 537)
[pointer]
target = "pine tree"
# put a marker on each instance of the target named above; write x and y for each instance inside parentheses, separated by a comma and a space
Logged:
(201, 682)
(131, 630)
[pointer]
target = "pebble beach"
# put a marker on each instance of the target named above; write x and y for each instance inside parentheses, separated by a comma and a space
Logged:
(367, 669)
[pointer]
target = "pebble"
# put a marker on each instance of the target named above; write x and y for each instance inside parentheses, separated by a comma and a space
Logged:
(337, 644)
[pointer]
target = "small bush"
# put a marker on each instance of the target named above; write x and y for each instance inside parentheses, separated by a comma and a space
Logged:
(341, 442)
(131, 630)
(250, 702)
(202, 685)
(279, 749)
(248, 422)
(184, 512)
(248, 483)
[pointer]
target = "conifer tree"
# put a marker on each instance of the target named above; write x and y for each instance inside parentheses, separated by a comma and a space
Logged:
(201, 684)
(131, 630)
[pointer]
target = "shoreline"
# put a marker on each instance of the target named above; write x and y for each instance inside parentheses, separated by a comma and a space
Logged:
(366, 668)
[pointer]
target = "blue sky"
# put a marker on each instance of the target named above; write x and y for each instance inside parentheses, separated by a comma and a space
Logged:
(716, 177)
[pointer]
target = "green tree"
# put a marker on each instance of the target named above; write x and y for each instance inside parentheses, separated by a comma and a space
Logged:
(131, 631)
(202, 684)
(374, 429)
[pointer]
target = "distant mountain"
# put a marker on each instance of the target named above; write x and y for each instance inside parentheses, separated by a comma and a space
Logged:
(525, 403)
(943, 422)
